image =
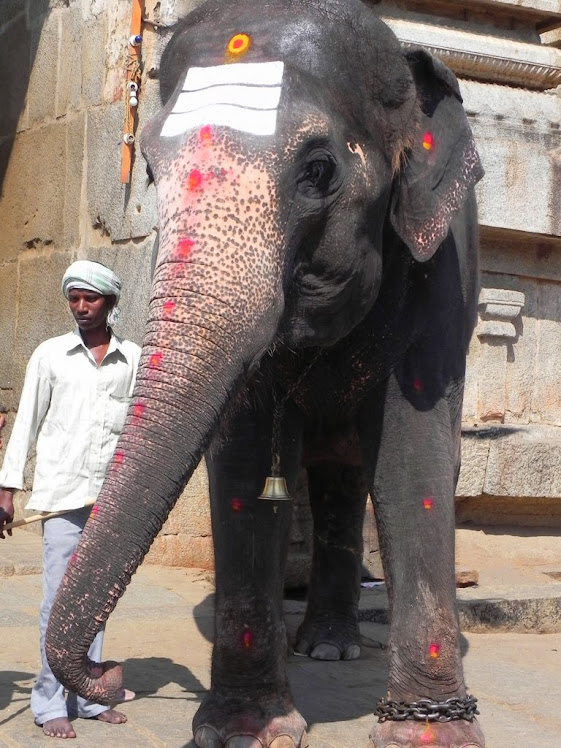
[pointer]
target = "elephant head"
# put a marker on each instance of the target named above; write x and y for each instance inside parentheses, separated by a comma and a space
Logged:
(295, 140)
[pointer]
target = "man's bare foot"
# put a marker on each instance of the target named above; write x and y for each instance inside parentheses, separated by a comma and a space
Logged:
(112, 716)
(59, 728)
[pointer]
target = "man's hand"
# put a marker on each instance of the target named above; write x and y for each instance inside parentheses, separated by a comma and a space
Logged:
(6, 509)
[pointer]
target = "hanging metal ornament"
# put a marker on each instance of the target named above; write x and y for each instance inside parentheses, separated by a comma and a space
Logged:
(275, 488)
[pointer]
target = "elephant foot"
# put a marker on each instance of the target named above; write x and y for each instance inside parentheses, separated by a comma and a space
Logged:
(234, 723)
(332, 639)
(412, 734)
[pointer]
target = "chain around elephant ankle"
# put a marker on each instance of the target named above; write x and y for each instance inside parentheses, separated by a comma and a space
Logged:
(427, 710)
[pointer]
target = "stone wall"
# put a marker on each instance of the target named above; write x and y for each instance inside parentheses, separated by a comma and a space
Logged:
(62, 70)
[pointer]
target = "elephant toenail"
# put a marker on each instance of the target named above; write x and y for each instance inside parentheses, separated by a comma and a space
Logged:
(206, 737)
(283, 741)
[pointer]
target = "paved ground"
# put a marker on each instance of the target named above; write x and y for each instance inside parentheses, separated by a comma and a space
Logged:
(162, 629)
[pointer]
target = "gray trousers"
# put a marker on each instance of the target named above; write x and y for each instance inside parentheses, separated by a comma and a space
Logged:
(60, 538)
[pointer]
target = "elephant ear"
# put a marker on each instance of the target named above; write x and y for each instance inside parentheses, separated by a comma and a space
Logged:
(442, 164)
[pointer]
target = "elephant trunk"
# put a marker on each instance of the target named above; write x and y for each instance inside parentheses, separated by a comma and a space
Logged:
(213, 312)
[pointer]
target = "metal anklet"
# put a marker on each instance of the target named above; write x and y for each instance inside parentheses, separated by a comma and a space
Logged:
(427, 710)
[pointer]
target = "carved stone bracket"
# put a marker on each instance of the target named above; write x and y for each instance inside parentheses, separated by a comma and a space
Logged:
(497, 310)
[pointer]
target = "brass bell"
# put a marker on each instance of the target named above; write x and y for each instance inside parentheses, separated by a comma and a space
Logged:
(275, 489)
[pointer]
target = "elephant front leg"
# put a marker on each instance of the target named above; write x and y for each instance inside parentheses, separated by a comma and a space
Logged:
(330, 629)
(413, 492)
(250, 698)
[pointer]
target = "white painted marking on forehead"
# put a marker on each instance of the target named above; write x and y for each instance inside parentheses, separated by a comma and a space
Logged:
(243, 96)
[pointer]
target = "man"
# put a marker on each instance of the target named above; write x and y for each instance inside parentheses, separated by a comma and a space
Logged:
(74, 401)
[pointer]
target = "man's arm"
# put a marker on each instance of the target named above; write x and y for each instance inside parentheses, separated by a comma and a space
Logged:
(33, 405)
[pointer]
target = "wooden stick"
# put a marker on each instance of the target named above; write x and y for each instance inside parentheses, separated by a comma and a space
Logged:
(44, 515)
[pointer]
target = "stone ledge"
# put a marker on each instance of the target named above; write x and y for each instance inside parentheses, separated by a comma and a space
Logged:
(516, 461)
(483, 56)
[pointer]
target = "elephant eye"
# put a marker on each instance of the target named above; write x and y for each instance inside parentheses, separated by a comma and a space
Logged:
(316, 179)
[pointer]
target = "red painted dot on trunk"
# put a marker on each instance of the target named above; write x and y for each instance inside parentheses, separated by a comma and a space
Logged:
(205, 135)
(247, 639)
(169, 306)
(236, 504)
(94, 511)
(184, 247)
(138, 410)
(434, 651)
(195, 180)
(428, 503)
(119, 457)
(155, 360)
(428, 141)
(73, 558)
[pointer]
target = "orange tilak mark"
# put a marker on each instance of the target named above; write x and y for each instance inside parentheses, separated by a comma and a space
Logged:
(247, 639)
(236, 504)
(169, 306)
(155, 360)
(428, 141)
(428, 503)
(194, 180)
(239, 44)
(434, 651)
(184, 247)
(119, 457)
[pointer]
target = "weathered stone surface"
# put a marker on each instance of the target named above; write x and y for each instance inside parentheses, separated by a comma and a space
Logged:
(475, 452)
(525, 463)
(42, 88)
(32, 206)
(15, 52)
(75, 143)
(119, 210)
(8, 296)
(94, 37)
(69, 82)
(42, 309)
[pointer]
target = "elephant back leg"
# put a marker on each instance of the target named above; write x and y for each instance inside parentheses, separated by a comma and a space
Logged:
(330, 628)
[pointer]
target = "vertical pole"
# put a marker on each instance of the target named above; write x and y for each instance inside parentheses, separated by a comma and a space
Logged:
(133, 75)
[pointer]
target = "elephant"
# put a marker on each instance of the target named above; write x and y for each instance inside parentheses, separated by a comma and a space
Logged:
(313, 298)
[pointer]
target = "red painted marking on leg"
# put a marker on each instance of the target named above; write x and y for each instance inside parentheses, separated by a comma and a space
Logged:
(428, 141)
(236, 505)
(184, 247)
(434, 651)
(195, 180)
(205, 135)
(247, 639)
(428, 736)
(138, 410)
(119, 457)
(418, 384)
(169, 306)
(155, 360)
(428, 503)
(94, 511)
(73, 558)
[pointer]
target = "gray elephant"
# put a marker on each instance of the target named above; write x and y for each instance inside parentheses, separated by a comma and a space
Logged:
(312, 302)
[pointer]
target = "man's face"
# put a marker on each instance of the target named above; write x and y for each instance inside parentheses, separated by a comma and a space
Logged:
(89, 309)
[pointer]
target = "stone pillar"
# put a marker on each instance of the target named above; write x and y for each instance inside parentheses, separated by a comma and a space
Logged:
(499, 310)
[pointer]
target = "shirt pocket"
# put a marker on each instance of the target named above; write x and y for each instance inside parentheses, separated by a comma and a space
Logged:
(118, 407)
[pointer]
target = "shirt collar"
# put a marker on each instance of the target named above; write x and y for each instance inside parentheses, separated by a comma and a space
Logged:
(74, 340)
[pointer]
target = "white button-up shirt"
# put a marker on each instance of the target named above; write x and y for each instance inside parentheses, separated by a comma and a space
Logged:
(75, 410)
